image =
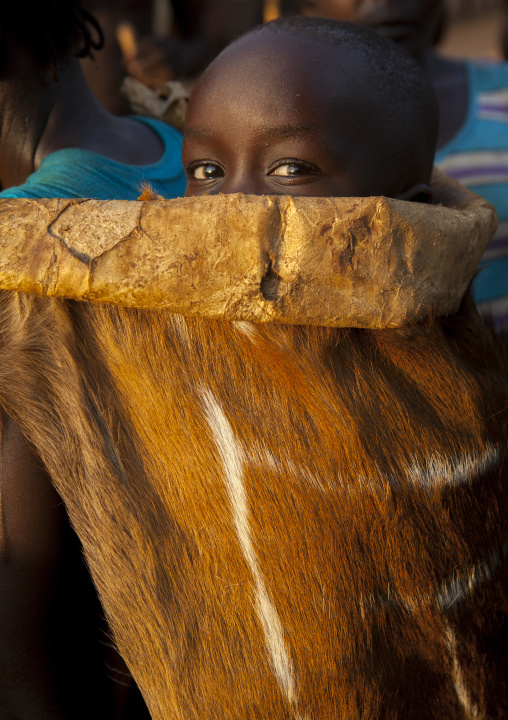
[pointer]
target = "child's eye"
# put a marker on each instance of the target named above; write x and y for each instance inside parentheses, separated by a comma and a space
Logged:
(205, 171)
(289, 170)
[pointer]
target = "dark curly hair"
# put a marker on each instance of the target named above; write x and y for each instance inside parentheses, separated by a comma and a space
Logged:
(53, 29)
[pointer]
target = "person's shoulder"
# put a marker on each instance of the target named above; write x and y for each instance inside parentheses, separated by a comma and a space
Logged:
(15, 193)
(67, 173)
(482, 140)
(78, 173)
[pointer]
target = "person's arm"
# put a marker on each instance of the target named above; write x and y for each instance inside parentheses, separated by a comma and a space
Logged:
(51, 631)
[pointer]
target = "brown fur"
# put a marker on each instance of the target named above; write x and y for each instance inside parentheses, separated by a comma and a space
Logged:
(148, 193)
(389, 585)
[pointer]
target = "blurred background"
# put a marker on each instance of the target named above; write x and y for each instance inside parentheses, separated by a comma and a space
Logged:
(475, 29)
(160, 40)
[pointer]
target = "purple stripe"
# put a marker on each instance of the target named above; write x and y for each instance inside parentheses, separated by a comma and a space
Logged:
(498, 320)
(498, 243)
(477, 170)
(493, 108)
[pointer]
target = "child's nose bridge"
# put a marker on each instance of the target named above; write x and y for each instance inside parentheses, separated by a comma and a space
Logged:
(243, 179)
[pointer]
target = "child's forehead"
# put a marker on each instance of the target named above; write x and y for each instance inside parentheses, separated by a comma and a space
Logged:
(271, 66)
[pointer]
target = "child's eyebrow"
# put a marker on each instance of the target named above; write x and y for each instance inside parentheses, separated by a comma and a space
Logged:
(276, 132)
(197, 133)
(288, 131)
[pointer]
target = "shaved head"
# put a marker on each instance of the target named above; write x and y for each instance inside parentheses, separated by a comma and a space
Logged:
(387, 77)
(318, 86)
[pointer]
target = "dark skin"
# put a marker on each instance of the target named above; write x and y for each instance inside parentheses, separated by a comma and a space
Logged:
(56, 662)
(413, 24)
(259, 123)
(39, 116)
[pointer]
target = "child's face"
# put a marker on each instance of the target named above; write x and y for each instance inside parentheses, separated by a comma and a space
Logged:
(268, 118)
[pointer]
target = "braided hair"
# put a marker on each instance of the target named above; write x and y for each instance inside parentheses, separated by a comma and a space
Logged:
(53, 29)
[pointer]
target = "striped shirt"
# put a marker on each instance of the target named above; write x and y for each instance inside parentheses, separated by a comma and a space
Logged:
(478, 157)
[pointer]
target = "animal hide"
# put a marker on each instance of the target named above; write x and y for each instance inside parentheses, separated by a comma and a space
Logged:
(282, 521)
